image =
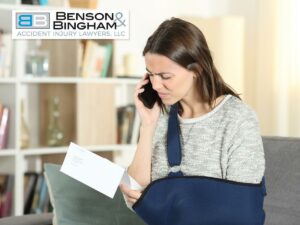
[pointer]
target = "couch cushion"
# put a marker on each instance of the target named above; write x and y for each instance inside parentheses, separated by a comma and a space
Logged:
(282, 204)
(77, 204)
(32, 219)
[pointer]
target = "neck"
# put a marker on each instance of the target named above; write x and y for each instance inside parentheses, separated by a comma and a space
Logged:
(192, 109)
(193, 105)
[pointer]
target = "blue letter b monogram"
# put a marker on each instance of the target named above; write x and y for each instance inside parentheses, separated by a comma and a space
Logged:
(25, 20)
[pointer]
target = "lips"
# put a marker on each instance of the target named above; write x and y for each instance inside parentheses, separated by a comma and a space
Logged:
(162, 95)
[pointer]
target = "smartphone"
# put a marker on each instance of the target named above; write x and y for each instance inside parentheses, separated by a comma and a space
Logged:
(149, 96)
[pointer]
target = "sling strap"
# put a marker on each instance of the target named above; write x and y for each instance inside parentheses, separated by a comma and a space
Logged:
(173, 143)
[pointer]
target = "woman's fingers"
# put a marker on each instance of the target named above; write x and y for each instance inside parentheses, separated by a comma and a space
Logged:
(142, 82)
(129, 192)
(140, 85)
(131, 195)
(131, 200)
(140, 90)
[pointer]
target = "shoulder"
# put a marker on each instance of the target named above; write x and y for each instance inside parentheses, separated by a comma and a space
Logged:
(240, 124)
(238, 113)
(239, 108)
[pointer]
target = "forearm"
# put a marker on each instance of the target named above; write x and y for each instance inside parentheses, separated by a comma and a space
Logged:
(140, 168)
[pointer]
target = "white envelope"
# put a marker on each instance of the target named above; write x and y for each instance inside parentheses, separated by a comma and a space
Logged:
(96, 171)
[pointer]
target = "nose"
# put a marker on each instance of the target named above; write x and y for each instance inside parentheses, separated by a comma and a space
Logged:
(156, 82)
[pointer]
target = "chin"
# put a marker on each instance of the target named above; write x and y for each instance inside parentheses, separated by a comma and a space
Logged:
(168, 102)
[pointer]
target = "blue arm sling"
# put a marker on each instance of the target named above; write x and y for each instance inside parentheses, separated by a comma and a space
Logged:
(197, 200)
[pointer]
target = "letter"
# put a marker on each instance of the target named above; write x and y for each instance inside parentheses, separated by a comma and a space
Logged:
(113, 25)
(107, 15)
(81, 26)
(60, 15)
(25, 20)
(89, 16)
(80, 16)
(71, 16)
(40, 20)
(71, 25)
(99, 16)
(57, 25)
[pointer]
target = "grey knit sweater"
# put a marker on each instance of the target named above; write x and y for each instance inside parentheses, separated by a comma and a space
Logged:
(224, 143)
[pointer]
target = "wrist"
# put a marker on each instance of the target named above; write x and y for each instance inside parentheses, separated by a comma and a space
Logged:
(147, 128)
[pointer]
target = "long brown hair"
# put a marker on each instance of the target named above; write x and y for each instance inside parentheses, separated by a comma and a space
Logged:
(185, 44)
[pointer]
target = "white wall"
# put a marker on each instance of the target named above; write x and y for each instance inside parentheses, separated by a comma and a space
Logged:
(248, 9)
(145, 16)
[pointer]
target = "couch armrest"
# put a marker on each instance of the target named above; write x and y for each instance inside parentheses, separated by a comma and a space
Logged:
(31, 219)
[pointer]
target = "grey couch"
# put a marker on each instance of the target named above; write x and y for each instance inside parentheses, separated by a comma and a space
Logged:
(282, 204)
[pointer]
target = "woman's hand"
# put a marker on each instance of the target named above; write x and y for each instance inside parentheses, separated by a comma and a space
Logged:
(148, 116)
(131, 195)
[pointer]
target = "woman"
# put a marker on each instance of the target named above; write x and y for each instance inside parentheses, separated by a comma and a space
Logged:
(219, 134)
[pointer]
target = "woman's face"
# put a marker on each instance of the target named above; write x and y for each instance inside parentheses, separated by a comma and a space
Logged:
(172, 81)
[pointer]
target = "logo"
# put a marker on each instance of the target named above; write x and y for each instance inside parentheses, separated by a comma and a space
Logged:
(33, 20)
(70, 24)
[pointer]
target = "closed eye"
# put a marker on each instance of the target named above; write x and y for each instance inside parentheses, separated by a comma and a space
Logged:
(164, 76)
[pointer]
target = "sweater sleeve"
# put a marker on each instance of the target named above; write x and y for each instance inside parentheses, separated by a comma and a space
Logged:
(246, 162)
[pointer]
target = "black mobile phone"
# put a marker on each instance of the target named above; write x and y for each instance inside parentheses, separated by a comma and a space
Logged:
(149, 96)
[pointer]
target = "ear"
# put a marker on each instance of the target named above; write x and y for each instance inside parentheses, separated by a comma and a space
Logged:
(195, 67)
(194, 76)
